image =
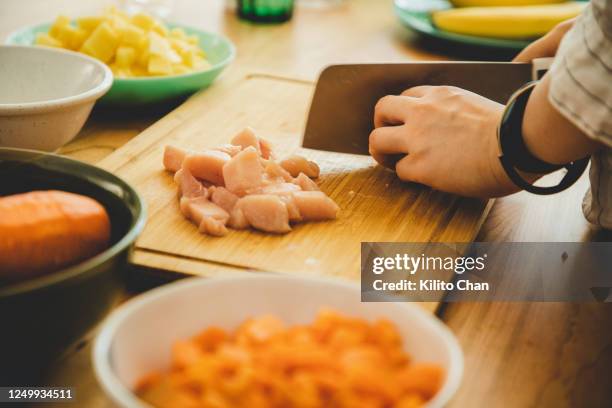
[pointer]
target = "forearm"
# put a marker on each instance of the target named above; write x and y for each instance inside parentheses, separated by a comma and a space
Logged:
(549, 135)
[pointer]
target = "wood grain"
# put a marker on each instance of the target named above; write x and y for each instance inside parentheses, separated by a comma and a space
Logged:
(375, 205)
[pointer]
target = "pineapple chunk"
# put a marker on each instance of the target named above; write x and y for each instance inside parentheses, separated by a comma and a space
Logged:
(160, 46)
(60, 21)
(121, 72)
(48, 41)
(143, 59)
(125, 56)
(89, 23)
(71, 37)
(159, 65)
(143, 21)
(139, 71)
(102, 43)
(133, 36)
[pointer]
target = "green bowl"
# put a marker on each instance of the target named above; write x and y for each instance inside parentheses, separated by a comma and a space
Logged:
(145, 90)
(416, 15)
(42, 317)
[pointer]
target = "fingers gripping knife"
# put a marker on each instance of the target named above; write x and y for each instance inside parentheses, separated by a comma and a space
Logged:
(342, 109)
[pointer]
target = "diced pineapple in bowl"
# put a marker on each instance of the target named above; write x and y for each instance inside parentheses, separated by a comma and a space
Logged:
(151, 61)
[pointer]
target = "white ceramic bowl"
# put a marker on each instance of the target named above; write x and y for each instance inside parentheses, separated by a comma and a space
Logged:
(137, 338)
(46, 95)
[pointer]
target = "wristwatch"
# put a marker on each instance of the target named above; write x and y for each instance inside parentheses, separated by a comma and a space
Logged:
(515, 156)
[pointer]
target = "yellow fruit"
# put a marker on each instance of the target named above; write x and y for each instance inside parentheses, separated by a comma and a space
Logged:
(133, 36)
(159, 66)
(501, 3)
(506, 22)
(48, 41)
(60, 22)
(132, 46)
(160, 47)
(102, 43)
(71, 37)
(143, 21)
(125, 56)
(89, 23)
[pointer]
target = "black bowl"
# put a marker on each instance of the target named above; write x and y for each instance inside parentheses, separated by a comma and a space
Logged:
(42, 317)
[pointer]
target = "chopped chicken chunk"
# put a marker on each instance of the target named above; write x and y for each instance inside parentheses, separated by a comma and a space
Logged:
(243, 172)
(305, 183)
(207, 165)
(205, 214)
(297, 164)
(275, 171)
(265, 212)
(173, 157)
(223, 198)
(188, 186)
(247, 137)
(315, 205)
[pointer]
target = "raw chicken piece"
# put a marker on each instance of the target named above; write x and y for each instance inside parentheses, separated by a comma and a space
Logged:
(223, 198)
(266, 149)
(237, 219)
(173, 157)
(197, 208)
(243, 172)
(212, 226)
(284, 191)
(275, 188)
(265, 212)
(305, 183)
(230, 149)
(315, 205)
(292, 208)
(207, 165)
(209, 217)
(274, 170)
(298, 164)
(247, 137)
(188, 186)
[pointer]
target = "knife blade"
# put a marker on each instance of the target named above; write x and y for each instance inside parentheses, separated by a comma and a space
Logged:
(342, 108)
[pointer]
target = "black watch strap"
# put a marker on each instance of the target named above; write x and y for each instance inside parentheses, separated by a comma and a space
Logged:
(515, 155)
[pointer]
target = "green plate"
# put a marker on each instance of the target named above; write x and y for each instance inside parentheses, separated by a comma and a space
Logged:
(134, 91)
(416, 14)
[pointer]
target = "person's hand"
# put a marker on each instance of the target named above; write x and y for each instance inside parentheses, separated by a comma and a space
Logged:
(546, 46)
(444, 137)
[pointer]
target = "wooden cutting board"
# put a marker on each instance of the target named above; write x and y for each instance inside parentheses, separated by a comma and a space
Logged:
(375, 205)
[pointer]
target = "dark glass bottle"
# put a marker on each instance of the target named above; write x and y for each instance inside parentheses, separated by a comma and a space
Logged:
(265, 11)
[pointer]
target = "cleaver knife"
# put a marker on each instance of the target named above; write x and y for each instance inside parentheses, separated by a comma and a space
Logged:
(342, 108)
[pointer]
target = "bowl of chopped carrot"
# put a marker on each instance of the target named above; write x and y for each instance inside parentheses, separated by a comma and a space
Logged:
(274, 341)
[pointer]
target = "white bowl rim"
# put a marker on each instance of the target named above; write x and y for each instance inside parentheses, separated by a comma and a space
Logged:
(47, 105)
(125, 397)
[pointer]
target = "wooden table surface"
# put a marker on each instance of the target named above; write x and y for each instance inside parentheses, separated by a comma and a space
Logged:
(516, 354)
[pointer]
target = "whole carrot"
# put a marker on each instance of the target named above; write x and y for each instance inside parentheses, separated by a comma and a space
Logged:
(43, 231)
